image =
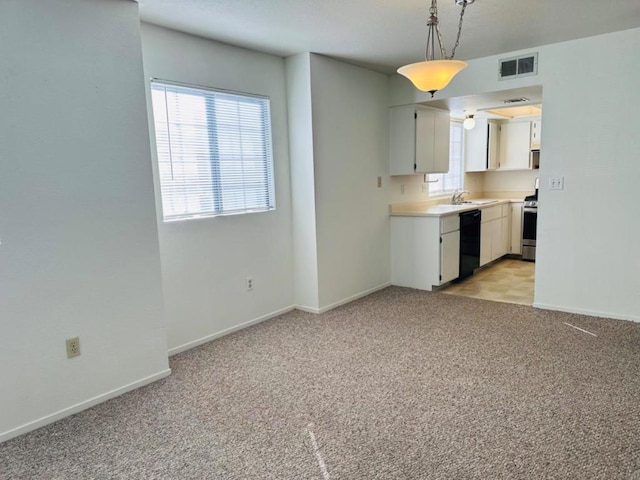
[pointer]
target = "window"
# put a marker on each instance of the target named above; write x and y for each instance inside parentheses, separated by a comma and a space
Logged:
(214, 151)
(454, 179)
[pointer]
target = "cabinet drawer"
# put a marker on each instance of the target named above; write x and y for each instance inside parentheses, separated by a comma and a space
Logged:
(491, 213)
(449, 223)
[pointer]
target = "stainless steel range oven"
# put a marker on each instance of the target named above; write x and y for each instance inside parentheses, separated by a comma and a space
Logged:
(529, 228)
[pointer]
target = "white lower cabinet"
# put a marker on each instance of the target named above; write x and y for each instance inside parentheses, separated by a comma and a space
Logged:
(449, 248)
(425, 251)
(485, 242)
(494, 233)
(516, 228)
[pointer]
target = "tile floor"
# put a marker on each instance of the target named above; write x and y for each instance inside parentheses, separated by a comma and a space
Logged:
(508, 280)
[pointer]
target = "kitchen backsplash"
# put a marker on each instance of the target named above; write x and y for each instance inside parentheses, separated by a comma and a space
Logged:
(514, 185)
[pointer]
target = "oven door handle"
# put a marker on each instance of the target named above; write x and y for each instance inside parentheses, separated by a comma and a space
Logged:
(530, 209)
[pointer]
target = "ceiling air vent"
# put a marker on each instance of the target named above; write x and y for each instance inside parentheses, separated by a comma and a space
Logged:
(516, 100)
(517, 67)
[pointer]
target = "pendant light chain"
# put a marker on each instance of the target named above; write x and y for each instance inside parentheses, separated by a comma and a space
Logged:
(433, 25)
(453, 52)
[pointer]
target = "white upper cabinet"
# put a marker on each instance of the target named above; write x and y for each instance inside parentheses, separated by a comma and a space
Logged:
(481, 146)
(536, 133)
(418, 140)
(515, 146)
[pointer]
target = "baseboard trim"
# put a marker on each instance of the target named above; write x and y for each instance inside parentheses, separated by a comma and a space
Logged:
(308, 309)
(343, 301)
(592, 313)
(201, 341)
(54, 417)
(227, 331)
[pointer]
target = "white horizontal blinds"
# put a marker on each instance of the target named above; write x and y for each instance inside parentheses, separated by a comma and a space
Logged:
(214, 151)
(184, 152)
(243, 156)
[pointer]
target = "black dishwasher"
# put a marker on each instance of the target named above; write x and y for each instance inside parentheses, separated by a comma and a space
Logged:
(469, 242)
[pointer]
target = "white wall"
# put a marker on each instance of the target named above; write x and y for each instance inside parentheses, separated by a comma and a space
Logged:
(591, 227)
(338, 144)
(205, 262)
(350, 129)
(303, 187)
(79, 253)
(413, 190)
(587, 233)
(516, 181)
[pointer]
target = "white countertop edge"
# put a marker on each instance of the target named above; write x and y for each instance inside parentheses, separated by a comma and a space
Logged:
(418, 209)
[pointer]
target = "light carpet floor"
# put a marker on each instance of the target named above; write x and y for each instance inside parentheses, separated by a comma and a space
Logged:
(402, 384)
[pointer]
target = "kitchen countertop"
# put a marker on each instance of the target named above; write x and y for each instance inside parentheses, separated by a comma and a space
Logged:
(428, 209)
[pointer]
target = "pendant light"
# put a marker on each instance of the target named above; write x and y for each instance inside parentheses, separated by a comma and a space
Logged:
(432, 75)
(469, 122)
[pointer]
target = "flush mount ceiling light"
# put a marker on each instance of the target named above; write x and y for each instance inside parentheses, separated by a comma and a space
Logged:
(433, 75)
(469, 122)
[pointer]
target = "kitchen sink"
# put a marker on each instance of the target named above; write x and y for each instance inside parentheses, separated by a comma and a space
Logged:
(477, 202)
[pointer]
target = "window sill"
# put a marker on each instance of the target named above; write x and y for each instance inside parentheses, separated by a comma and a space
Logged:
(204, 216)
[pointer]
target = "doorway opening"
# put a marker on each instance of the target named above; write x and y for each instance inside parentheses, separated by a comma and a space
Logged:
(507, 280)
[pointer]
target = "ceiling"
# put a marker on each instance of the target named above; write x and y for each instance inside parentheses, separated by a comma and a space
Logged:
(385, 34)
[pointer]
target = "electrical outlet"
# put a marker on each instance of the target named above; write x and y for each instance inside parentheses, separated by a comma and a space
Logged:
(249, 283)
(379, 182)
(402, 189)
(73, 347)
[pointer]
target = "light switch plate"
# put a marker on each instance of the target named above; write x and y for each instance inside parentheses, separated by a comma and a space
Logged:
(556, 183)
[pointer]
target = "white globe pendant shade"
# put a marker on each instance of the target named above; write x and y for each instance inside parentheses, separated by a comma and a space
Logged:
(432, 75)
(469, 122)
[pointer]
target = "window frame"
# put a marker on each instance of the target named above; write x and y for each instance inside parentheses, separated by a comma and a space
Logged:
(217, 179)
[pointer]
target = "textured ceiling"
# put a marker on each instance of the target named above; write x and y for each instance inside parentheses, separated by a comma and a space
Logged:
(384, 34)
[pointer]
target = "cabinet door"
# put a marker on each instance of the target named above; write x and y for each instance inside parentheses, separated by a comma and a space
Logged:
(485, 243)
(402, 140)
(441, 134)
(418, 140)
(499, 238)
(494, 145)
(476, 146)
(536, 132)
(425, 128)
(432, 141)
(515, 146)
(495, 226)
(516, 228)
(449, 256)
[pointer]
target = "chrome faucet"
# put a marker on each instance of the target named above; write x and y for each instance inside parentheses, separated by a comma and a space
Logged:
(456, 198)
